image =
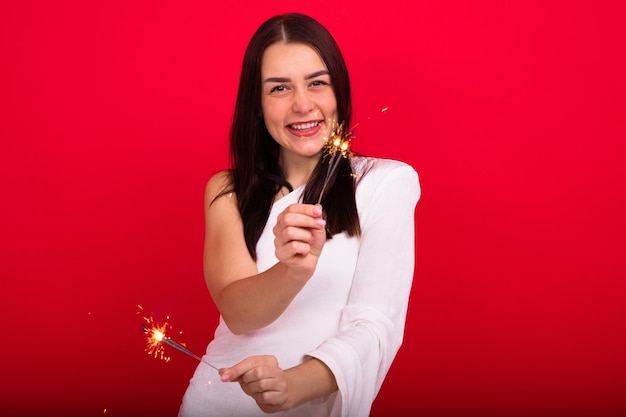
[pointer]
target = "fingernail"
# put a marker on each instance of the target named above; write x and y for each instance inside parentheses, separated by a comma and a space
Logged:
(225, 378)
(321, 222)
(317, 211)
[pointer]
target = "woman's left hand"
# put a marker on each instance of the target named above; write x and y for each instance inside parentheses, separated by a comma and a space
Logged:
(261, 378)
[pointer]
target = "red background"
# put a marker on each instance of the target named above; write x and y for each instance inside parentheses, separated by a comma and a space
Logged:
(114, 115)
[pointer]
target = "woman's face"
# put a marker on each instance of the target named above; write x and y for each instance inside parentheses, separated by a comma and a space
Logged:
(298, 101)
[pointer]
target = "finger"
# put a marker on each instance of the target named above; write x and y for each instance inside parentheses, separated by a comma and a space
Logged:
(318, 238)
(292, 249)
(311, 210)
(263, 380)
(297, 220)
(292, 233)
(302, 215)
(285, 232)
(236, 371)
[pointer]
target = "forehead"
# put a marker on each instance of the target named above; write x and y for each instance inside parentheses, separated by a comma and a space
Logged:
(283, 58)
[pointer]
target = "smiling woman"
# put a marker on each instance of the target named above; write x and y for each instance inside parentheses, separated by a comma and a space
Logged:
(114, 113)
(312, 297)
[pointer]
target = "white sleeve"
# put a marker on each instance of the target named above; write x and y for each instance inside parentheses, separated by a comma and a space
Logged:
(372, 324)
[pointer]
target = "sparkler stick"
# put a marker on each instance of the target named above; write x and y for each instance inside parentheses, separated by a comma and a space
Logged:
(336, 147)
(158, 336)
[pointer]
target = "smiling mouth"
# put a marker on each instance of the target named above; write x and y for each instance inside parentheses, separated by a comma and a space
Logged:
(304, 126)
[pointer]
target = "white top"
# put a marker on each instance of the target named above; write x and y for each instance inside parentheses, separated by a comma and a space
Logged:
(350, 314)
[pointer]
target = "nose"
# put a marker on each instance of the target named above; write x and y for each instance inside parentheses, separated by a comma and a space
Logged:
(302, 103)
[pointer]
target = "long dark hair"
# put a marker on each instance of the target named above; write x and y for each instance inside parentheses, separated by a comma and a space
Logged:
(256, 175)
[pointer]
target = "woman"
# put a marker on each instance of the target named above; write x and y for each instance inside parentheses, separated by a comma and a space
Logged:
(312, 297)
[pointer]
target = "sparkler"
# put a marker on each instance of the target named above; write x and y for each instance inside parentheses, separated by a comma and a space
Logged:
(336, 147)
(157, 338)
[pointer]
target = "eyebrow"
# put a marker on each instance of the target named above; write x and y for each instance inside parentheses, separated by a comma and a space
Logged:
(307, 77)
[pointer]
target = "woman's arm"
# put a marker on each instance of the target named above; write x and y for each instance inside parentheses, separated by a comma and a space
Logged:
(246, 299)
(372, 323)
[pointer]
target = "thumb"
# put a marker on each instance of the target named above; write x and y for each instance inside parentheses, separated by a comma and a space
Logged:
(319, 233)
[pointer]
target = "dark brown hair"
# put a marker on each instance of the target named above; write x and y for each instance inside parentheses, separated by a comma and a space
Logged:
(256, 175)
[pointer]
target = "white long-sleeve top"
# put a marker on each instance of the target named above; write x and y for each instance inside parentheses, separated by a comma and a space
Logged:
(350, 315)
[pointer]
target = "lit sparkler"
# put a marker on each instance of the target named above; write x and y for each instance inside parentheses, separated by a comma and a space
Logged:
(336, 147)
(157, 339)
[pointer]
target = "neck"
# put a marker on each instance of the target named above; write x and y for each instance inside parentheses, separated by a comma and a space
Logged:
(297, 169)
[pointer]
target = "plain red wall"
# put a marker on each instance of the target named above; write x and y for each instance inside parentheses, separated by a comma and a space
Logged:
(114, 114)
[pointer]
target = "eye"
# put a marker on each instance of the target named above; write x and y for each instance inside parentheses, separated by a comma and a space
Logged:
(319, 83)
(278, 89)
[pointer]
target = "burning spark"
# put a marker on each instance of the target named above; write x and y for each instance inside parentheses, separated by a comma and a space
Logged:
(155, 333)
(336, 147)
(157, 338)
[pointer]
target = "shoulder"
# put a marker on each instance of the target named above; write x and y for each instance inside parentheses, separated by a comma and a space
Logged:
(371, 169)
(386, 179)
(220, 201)
(219, 184)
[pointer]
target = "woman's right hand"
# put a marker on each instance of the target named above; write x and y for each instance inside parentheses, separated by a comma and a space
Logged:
(300, 234)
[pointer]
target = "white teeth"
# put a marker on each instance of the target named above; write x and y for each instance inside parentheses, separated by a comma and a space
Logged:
(304, 126)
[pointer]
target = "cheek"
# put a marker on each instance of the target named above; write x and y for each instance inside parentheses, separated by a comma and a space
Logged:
(269, 117)
(330, 105)
(272, 124)
(273, 112)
